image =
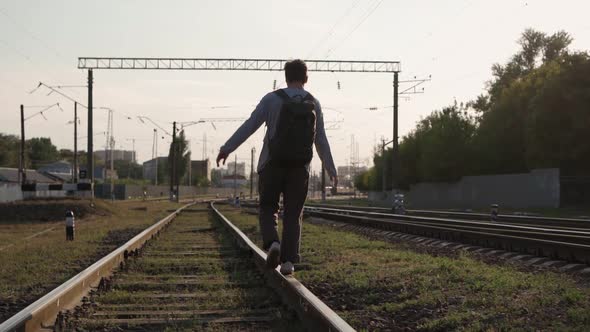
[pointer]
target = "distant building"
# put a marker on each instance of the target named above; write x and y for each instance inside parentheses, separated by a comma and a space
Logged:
(117, 155)
(57, 167)
(61, 170)
(149, 168)
(10, 175)
(101, 173)
(216, 177)
(240, 169)
(229, 181)
(224, 177)
(200, 169)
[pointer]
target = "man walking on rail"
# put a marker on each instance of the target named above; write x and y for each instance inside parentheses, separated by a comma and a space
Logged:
(294, 123)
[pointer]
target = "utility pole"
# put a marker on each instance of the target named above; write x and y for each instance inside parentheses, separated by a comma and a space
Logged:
(23, 168)
(384, 162)
(112, 170)
(133, 160)
(236, 176)
(411, 90)
(189, 180)
(178, 155)
(172, 160)
(90, 153)
(204, 146)
(313, 184)
(155, 154)
(133, 145)
(111, 155)
(252, 174)
(395, 163)
(75, 175)
(108, 152)
(323, 183)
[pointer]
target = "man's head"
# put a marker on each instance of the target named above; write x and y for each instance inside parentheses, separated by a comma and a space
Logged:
(296, 72)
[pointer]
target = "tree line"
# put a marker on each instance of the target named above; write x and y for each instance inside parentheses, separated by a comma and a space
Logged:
(40, 151)
(535, 113)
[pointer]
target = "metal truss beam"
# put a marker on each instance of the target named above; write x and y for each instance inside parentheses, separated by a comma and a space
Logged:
(236, 64)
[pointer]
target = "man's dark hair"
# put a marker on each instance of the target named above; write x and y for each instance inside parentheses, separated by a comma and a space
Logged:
(295, 71)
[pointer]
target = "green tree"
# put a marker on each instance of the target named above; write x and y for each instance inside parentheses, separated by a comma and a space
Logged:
(163, 172)
(182, 154)
(557, 125)
(534, 114)
(536, 48)
(66, 154)
(128, 169)
(514, 125)
(9, 150)
(40, 151)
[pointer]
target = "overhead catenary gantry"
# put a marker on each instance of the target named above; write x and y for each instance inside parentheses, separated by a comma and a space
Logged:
(236, 64)
(222, 64)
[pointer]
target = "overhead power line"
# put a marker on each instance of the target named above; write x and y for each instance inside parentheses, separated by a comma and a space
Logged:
(363, 19)
(41, 112)
(53, 89)
(141, 118)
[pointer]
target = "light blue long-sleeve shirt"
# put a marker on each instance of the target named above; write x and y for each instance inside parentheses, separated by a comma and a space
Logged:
(267, 111)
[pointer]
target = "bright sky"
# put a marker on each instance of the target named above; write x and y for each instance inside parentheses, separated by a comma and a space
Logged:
(454, 41)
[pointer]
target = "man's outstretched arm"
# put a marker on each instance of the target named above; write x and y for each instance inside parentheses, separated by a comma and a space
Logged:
(323, 147)
(247, 128)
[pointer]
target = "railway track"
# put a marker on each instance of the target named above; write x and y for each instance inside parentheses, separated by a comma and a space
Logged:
(563, 223)
(192, 277)
(572, 245)
(198, 272)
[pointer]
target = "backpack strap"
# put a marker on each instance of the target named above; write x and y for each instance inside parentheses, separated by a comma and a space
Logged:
(309, 97)
(282, 94)
(285, 97)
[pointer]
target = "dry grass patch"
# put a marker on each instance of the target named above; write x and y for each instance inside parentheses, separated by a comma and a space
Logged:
(31, 267)
(379, 285)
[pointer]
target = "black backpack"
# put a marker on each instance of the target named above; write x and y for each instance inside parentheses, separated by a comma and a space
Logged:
(292, 143)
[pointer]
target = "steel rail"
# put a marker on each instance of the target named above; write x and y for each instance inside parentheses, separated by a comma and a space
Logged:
(314, 313)
(450, 224)
(471, 232)
(548, 221)
(533, 229)
(42, 313)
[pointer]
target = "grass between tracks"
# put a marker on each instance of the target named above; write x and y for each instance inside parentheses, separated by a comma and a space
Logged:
(175, 275)
(379, 285)
(32, 266)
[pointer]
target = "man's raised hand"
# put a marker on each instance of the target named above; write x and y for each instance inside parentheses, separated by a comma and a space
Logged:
(221, 156)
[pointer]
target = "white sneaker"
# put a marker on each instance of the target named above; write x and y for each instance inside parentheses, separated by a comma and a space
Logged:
(273, 256)
(287, 268)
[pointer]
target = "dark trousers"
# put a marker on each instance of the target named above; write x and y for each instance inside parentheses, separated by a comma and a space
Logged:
(292, 183)
(69, 233)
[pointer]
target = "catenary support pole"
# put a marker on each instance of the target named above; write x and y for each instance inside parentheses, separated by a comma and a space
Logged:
(236, 175)
(384, 166)
(252, 173)
(172, 160)
(112, 146)
(89, 152)
(75, 170)
(188, 164)
(23, 172)
(178, 156)
(323, 182)
(156, 154)
(395, 164)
